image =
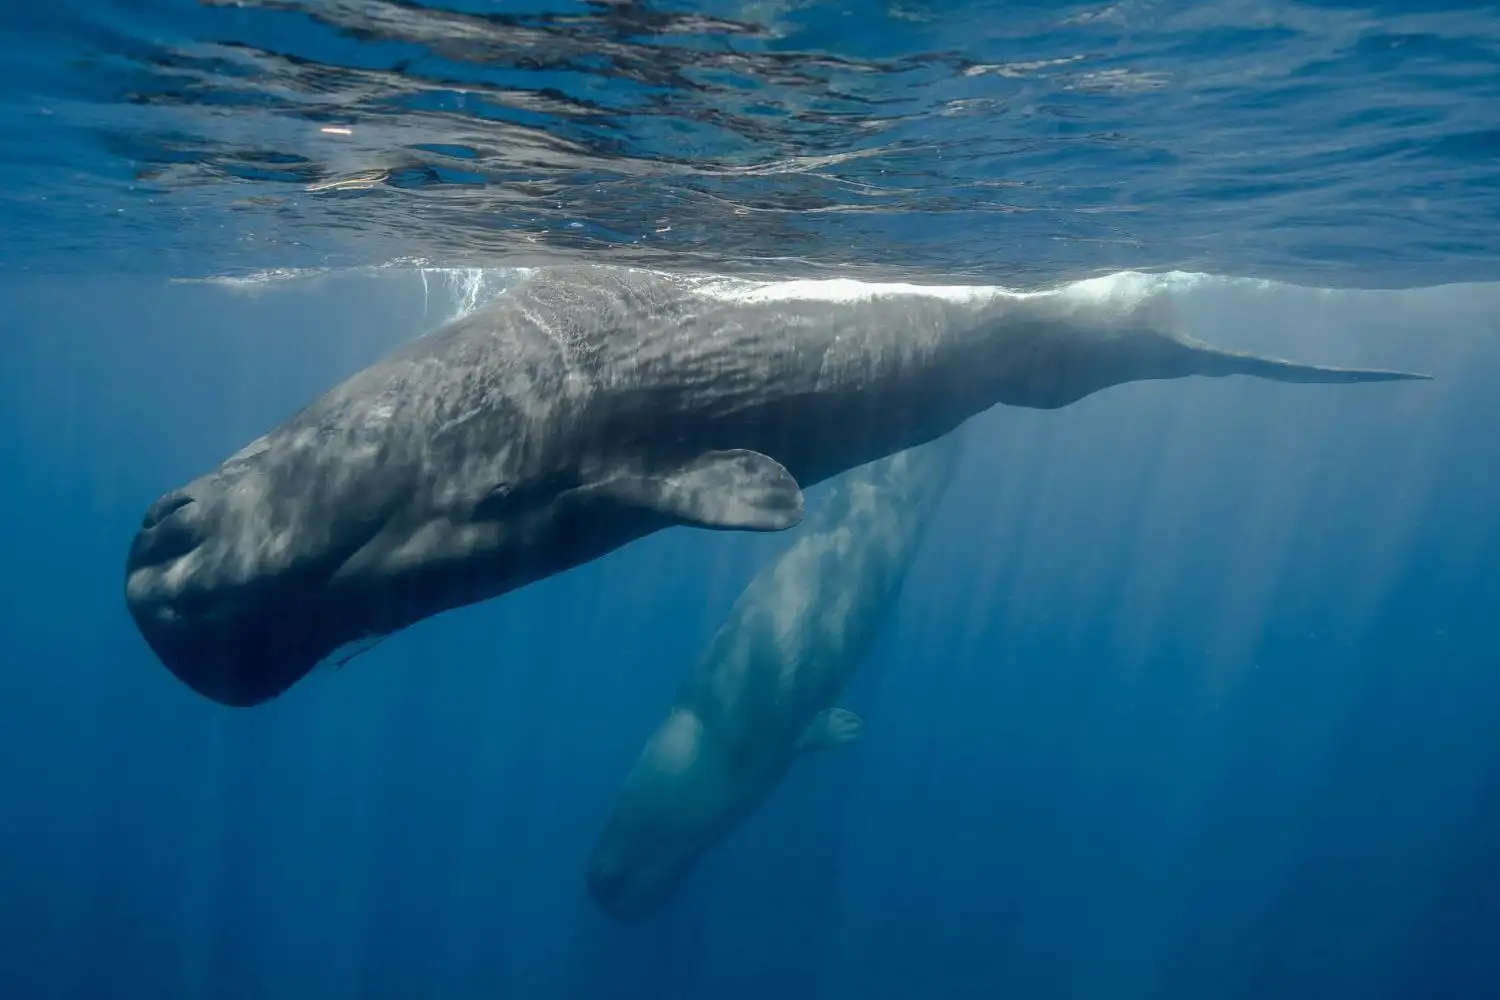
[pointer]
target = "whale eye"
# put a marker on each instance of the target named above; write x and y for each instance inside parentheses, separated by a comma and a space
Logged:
(507, 498)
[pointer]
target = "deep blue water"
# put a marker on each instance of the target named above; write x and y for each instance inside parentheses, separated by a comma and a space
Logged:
(1192, 692)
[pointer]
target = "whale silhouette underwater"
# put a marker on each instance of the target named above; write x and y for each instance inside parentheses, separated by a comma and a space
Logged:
(762, 695)
(583, 409)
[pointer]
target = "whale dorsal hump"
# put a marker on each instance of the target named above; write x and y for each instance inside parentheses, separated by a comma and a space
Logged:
(831, 728)
(734, 490)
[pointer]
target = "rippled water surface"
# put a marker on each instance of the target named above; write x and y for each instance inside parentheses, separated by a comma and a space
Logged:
(1321, 143)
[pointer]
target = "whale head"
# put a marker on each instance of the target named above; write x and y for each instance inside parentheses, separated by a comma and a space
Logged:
(677, 802)
(229, 578)
(357, 517)
(369, 512)
(244, 580)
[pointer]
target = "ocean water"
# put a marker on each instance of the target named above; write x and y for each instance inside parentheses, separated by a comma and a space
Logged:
(1192, 692)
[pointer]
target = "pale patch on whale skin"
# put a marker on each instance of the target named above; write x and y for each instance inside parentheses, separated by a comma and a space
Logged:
(583, 409)
(762, 693)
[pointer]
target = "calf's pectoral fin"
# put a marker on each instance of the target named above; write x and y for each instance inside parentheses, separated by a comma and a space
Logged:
(829, 729)
(726, 490)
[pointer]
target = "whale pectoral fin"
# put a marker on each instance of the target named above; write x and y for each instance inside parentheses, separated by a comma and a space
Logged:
(829, 729)
(727, 490)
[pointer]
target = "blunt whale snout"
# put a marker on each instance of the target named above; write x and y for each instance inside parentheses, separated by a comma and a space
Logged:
(226, 662)
(632, 892)
(237, 654)
(231, 632)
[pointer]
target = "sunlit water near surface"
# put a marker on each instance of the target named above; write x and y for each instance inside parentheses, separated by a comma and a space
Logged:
(1191, 692)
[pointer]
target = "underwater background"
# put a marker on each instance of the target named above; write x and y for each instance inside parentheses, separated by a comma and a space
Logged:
(1191, 693)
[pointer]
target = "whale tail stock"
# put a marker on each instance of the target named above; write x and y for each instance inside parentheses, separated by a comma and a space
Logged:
(1086, 347)
(1217, 362)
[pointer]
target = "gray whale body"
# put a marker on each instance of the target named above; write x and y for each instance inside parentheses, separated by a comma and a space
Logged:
(763, 692)
(585, 408)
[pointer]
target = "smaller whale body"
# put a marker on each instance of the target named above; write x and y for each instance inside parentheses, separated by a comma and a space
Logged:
(581, 410)
(763, 692)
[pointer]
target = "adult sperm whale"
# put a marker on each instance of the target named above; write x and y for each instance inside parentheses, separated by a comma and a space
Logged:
(586, 407)
(763, 692)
